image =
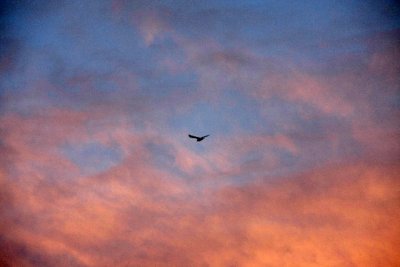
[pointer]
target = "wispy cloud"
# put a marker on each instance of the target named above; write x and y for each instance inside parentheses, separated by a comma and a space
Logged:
(300, 101)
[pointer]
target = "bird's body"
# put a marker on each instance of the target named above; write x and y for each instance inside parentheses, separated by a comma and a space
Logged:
(198, 139)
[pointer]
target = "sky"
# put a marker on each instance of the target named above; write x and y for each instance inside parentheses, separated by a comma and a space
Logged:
(300, 99)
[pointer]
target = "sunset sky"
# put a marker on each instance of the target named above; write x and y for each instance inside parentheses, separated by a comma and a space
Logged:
(300, 98)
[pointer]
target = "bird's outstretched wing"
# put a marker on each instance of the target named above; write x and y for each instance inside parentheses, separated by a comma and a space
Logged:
(192, 136)
(205, 136)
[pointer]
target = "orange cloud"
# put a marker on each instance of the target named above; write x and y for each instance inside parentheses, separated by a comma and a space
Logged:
(136, 213)
(311, 181)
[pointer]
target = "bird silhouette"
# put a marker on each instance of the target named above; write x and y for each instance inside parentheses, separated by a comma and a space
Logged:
(198, 138)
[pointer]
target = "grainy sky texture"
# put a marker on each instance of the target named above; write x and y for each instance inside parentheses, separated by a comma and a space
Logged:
(301, 99)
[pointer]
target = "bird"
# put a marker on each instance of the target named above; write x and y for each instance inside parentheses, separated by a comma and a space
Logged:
(198, 138)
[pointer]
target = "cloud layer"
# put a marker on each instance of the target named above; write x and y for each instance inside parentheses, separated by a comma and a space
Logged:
(301, 102)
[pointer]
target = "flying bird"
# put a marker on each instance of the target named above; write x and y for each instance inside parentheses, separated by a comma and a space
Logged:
(198, 138)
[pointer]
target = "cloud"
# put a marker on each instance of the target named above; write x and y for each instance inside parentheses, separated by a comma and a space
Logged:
(151, 25)
(139, 212)
(300, 168)
(325, 207)
(322, 217)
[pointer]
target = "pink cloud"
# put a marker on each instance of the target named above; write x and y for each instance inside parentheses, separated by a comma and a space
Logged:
(222, 206)
(139, 213)
(302, 88)
(151, 25)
